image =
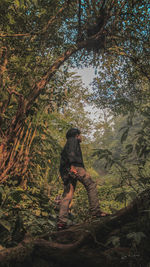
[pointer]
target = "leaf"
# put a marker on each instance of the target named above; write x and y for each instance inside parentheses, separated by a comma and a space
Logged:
(52, 223)
(136, 236)
(37, 212)
(144, 180)
(132, 194)
(35, 2)
(17, 195)
(122, 128)
(121, 197)
(124, 136)
(11, 19)
(17, 3)
(5, 224)
(143, 151)
(137, 148)
(44, 213)
(115, 240)
(129, 148)
(1, 212)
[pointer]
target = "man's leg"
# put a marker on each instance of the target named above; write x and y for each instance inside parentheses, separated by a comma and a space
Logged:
(91, 189)
(64, 205)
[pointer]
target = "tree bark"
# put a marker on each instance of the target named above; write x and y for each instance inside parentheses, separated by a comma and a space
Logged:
(84, 244)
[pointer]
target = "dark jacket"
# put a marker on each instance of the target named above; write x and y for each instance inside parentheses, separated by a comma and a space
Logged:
(71, 155)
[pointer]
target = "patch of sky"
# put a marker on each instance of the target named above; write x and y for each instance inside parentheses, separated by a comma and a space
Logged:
(87, 75)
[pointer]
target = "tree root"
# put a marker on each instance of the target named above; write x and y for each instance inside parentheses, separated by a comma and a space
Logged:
(77, 241)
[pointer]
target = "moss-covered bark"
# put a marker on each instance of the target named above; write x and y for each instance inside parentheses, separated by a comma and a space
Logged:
(90, 244)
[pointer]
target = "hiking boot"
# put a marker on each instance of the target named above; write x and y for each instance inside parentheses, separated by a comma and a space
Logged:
(100, 215)
(61, 226)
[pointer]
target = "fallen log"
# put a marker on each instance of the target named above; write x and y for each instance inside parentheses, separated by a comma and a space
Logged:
(82, 244)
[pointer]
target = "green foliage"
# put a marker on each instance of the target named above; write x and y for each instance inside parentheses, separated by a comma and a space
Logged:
(124, 135)
(24, 212)
(136, 237)
(114, 240)
(128, 153)
(122, 89)
(33, 210)
(34, 36)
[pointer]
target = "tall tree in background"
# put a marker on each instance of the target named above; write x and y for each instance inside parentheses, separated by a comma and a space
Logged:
(36, 38)
(122, 86)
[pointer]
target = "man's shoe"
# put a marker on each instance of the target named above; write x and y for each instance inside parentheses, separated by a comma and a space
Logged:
(61, 226)
(100, 215)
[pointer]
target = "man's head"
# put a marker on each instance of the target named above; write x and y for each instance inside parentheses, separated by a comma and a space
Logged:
(74, 132)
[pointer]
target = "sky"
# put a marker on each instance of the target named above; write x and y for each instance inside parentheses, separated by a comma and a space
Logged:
(87, 76)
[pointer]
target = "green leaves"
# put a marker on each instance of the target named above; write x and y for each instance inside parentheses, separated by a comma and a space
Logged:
(129, 148)
(18, 3)
(25, 3)
(24, 211)
(16, 195)
(124, 196)
(121, 197)
(136, 237)
(104, 154)
(5, 224)
(114, 240)
(124, 135)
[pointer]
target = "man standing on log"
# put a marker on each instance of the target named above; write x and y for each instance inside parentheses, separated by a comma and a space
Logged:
(72, 170)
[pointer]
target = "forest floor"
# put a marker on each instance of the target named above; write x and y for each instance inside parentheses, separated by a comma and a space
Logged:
(122, 239)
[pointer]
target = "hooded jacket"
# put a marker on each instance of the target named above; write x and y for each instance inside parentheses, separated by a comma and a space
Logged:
(71, 155)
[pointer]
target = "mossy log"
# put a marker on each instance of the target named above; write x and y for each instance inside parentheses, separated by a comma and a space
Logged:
(87, 244)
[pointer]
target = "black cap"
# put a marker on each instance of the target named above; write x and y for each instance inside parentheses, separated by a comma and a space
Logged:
(72, 132)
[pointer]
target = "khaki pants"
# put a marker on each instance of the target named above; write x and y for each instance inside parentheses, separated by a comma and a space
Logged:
(69, 188)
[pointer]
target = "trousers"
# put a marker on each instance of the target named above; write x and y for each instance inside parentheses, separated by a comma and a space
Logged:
(69, 189)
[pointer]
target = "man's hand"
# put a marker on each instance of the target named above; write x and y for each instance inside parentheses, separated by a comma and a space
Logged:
(73, 169)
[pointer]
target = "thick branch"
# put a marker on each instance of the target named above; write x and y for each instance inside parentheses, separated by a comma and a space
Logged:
(26, 247)
(39, 86)
(15, 35)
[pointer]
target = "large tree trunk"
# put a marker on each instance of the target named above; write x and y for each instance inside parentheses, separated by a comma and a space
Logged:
(11, 136)
(89, 244)
(15, 149)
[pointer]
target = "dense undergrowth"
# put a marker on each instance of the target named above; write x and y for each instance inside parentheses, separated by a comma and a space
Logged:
(35, 209)
(40, 99)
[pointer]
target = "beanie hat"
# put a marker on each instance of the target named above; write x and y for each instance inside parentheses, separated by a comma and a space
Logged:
(72, 132)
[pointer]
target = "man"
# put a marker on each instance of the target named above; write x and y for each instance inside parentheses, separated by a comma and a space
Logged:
(72, 170)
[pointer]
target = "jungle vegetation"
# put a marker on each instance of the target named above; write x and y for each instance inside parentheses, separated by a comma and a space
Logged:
(42, 43)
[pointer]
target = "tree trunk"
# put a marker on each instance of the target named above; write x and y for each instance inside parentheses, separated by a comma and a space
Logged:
(15, 151)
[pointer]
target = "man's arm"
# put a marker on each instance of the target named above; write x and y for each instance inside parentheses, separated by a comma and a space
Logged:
(71, 150)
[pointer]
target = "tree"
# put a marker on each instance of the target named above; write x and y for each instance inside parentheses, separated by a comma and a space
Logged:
(118, 240)
(122, 87)
(36, 39)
